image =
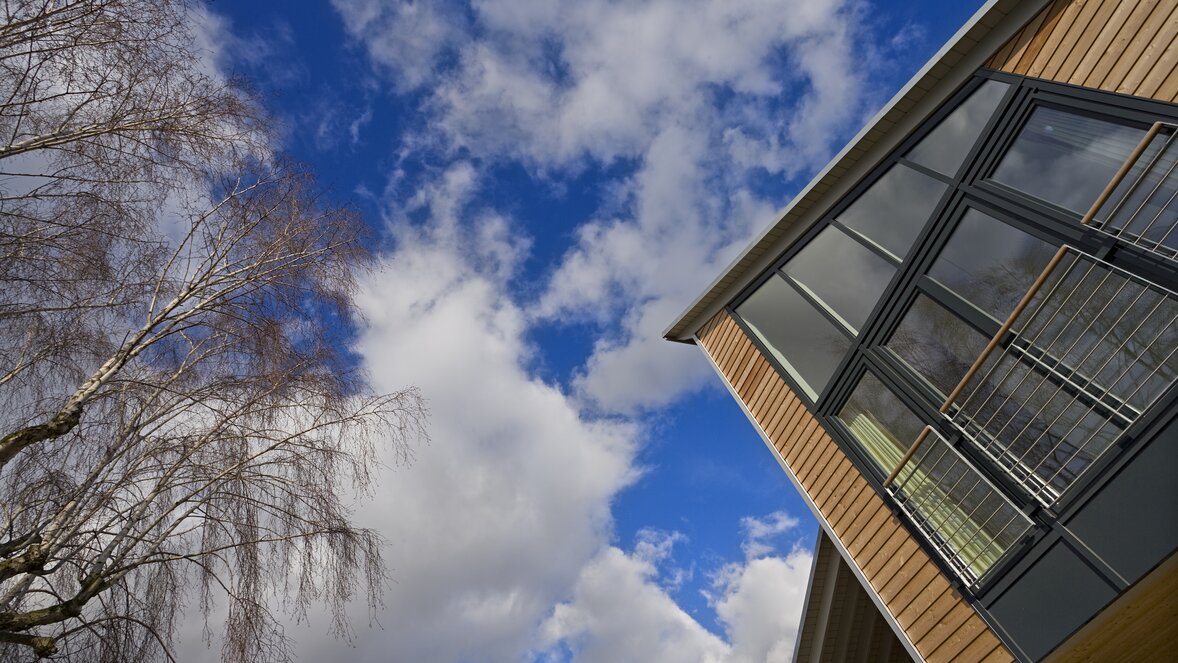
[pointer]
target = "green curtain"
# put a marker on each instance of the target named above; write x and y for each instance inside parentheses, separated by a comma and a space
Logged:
(964, 511)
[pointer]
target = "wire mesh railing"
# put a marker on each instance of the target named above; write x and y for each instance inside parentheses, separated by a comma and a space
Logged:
(1095, 348)
(968, 521)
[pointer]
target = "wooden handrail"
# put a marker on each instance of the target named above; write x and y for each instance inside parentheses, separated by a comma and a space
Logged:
(1027, 297)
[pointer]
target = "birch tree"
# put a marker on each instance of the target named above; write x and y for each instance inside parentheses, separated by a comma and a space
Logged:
(182, 425)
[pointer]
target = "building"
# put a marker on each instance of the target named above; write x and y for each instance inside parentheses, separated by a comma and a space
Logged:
(961, 342)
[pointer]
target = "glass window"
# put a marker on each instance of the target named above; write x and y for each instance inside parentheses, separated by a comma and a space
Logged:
(990, 263)
(841, 273)
(972, 524)
(804, 341)
(1111, 333)
(1033, 425)
(1066, 158)
(936, 344)
(945, 147)
(1142, 207)
(884, 426)
(892, 212)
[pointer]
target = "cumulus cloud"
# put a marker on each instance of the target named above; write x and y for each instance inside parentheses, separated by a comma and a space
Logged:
(760, 532)
(761, 606)
(694, 93)
(622, 610)
(620, 613)
(501, 531)
(496, 517)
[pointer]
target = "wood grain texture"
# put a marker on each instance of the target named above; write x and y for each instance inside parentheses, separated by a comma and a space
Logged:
(1124, 46)
(899, 570)
(1141, 625)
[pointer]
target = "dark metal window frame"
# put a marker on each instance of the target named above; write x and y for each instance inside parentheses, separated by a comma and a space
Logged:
(971, 188)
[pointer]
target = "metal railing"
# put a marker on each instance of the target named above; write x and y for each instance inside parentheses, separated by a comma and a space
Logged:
(1046, 439)
(1096, 347)
(969, 522)
(1141, 208)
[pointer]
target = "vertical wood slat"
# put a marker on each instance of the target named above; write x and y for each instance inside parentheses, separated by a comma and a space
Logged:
(1108, 58)
(1141, 51)
(1100, 48)
(959, 640)
(1051, 17)
(1021, 41)
(1124, 46)
(955, 622)
(759, 386)
(896, 567)
(1169, 88)
(1160, 47)
(1079, 23)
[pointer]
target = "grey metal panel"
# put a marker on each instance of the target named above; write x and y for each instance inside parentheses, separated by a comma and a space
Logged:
(1052, 599)
(1132, 524)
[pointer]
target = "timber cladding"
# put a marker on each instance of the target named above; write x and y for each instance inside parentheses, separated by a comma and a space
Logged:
(941, 625)
(1125, 46)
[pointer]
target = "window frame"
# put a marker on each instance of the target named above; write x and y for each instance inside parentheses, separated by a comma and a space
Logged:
(971, 188)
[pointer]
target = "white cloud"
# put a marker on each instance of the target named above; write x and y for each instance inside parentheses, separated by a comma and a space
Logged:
(495, 518)
(619, 613)
(502, 529)
(761, 606)
(695, 93)
(405, 38)
(759, 532)
(621, 610)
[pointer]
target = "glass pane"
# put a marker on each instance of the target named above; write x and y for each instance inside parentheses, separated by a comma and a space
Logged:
(1110, 333)
(884, 426)
(1065, 158)
(843, 274)
(972, 524)
(990, 263)
(1142, 209)
(936, 344)
(895, 208)
(944, 148)
(1035, 427)
(804, 341)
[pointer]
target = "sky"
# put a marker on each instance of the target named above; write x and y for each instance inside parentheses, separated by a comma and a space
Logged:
(550, 183)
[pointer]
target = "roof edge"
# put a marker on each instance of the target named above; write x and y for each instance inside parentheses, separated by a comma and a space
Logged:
(990, 27)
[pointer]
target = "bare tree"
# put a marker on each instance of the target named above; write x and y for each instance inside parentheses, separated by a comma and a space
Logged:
(181, 416)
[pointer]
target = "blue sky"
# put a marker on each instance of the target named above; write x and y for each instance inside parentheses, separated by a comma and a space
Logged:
(551, 182)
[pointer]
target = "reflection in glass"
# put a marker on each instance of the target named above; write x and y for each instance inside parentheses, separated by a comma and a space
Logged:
(804, 341)
(1095, 349)
(1111, 333)
(1039, 431)
(884, 426)
(895, 208)
(944, 148)
(1142, 209)
(936, 344)
(1065, 158)
(971, 524)
(990, 263)
(843, 274)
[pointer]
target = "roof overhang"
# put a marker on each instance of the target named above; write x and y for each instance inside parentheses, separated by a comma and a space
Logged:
(963, 54)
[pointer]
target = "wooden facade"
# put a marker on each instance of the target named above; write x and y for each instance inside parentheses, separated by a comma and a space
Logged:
(841, 622)
(1127, 47)
(938, 622)
(1124, 46)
